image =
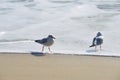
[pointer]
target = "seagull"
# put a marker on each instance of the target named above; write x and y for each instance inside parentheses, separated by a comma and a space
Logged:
(98, 40)
(46, 42)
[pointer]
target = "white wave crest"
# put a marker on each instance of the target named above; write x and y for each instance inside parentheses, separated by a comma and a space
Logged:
(2, 33)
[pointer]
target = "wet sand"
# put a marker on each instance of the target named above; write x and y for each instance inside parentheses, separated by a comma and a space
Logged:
(58, 67)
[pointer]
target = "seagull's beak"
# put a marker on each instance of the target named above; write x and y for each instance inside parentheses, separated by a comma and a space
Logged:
(54, 38)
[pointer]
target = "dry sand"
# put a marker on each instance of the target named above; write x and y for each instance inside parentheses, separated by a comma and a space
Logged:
(58, 67)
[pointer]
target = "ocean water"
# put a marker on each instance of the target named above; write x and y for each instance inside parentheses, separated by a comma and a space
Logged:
(74, 23)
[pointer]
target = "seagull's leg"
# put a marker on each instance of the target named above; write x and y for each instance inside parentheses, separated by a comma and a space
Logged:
(100, 47)
(42, 48)
(95, 48)
(49, 50)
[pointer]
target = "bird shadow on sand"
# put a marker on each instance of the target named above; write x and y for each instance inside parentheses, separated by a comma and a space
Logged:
(37, 53)
(91, 51)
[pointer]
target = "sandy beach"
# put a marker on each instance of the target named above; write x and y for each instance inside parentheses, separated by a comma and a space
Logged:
(58, 67)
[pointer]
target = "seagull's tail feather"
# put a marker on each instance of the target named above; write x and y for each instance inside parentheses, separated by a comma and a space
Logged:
(38, 41)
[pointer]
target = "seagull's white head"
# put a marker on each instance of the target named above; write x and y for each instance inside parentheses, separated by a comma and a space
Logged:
(51, 36)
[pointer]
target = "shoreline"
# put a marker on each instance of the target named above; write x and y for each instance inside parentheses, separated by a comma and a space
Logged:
(42, 54)
(58, 67)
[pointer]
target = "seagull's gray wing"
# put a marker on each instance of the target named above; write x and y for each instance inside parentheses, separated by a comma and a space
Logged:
(99, 41)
